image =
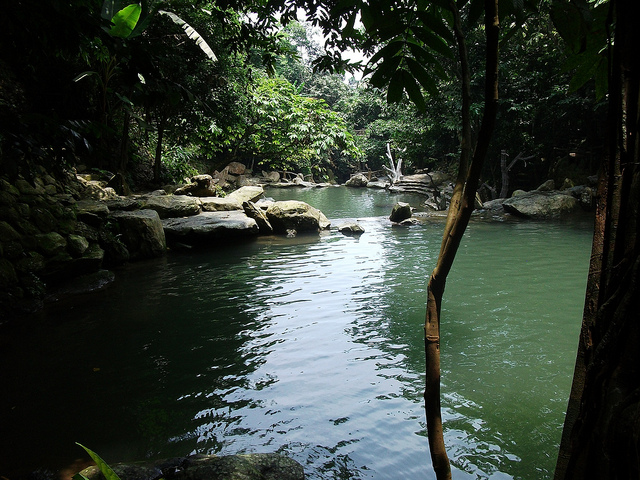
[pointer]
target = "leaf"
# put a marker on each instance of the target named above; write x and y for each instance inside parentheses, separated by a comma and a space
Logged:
(385, 71)
(125, 21)
(433, 41)
(437, 24)
(85, 75)
(422, 76)
(106, 470)
(413, 90)
(388, 50)
(191, 33)
(476, 10)
(396, 87)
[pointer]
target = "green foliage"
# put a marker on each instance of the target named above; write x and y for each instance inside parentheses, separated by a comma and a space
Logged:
(285, 130)
(583, 26)
(178, 164)
(125, 21)
(106, 470)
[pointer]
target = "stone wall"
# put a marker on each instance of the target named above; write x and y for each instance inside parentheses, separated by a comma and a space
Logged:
(48, 237)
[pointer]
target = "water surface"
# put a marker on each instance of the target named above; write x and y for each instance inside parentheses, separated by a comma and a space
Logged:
(312, 347)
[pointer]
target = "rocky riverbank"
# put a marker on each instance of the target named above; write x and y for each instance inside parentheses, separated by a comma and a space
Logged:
(54, 231)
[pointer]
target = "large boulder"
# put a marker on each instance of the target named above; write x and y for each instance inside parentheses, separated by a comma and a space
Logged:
(541, 204)
(357, 180)
(237, 168)
(401, 211)
(200, 186)
(296, 215)
(169, 206)
(219, 204)
(142, 233)
(246, 194)
(209, 227)
(272, 177)
(255, 466)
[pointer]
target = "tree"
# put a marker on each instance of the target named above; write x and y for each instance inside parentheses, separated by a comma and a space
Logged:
(600, 436)
(285, 130)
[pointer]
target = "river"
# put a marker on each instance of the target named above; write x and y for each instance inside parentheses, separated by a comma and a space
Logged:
(310, 346)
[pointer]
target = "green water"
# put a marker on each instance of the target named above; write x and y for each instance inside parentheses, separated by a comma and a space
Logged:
(312, 347)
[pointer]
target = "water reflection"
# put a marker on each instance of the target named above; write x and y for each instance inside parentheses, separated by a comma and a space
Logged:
(312, 347)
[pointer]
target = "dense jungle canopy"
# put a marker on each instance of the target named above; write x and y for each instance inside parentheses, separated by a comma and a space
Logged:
(149, 102)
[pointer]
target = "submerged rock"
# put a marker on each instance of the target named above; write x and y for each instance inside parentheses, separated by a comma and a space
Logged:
(352, 229)
(401, 211)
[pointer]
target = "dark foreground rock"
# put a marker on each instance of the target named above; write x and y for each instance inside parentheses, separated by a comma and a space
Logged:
(259, 466)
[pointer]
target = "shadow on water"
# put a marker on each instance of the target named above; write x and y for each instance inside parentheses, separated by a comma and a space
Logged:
(312, 347)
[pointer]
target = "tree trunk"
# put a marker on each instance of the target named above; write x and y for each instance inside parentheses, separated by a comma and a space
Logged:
(601, 436)
(460, 210)
(157, 164)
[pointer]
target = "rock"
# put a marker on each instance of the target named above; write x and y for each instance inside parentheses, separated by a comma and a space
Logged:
(517, 193)
(91, 212)
(246, 181)
(51, 243)
(7, 233)
(401, 211)
(27, 188)
(246, 194)
(8, 277)
(236, 168)
(219, 204)
(358, 180)
(200, 186)
(407, 222)
(351, 229)
(494, 207)
(209, 227)
(256, 466)
(585, 195)
(141, 232)
(547, 186)
(271, 176)
(252, 211)
(115, 252)
(540, 204)
(91, 282)
(119, 184)
(170, 206)
(122, 203)
(296, 215)
(77, 245)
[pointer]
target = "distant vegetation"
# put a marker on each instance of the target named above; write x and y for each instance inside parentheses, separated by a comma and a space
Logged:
(160, 91)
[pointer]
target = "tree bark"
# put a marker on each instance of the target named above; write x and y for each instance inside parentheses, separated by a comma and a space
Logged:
(157, 164)
(460, 210)
(601, 436)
